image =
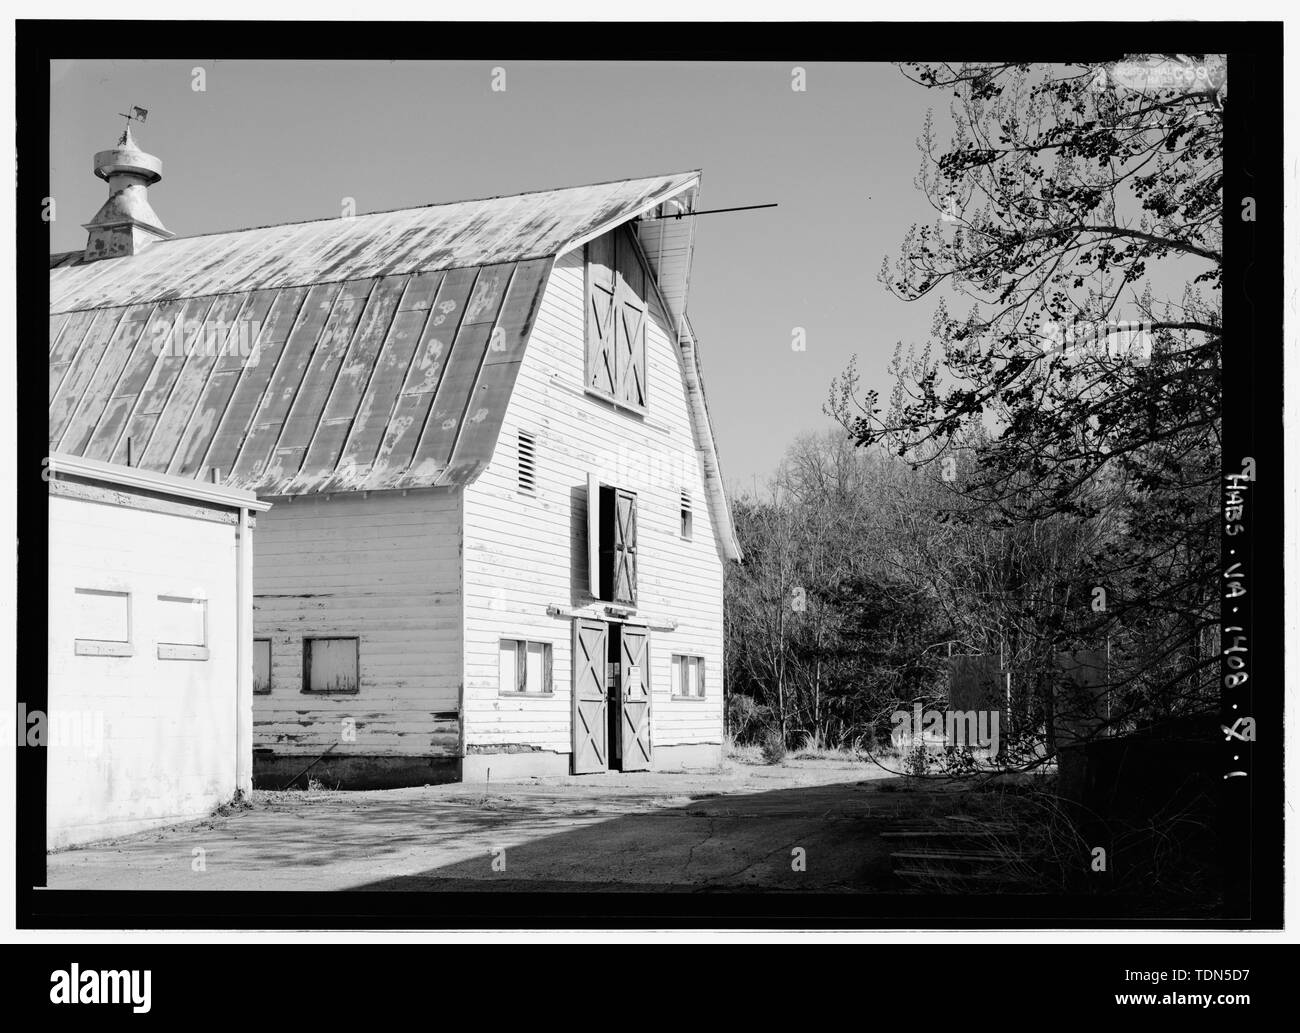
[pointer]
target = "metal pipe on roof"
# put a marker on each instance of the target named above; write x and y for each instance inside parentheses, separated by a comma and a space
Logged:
(710, 211)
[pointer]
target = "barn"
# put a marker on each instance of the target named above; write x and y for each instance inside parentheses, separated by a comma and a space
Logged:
(499, 527)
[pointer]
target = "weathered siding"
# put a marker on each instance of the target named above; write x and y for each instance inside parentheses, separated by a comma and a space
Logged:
(384, 568)
(151, 740)
(524, 553)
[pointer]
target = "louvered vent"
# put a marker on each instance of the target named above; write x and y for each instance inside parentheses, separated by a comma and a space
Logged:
(527, 463)
(686, 514)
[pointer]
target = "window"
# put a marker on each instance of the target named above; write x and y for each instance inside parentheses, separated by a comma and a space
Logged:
(687, 527)
(611, 542)
(103, 623)
(527, 463)
(330, 665)
(261, 666)
(524, 667)
(616, 321)
(688, 676)
(182, 628)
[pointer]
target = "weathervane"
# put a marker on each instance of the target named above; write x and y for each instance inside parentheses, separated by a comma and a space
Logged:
(136, 115)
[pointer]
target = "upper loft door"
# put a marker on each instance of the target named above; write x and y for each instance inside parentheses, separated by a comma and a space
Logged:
(611, 542)
(630, 325)
(634, 677)
(590, 742)
(618, 545)
(616, 316)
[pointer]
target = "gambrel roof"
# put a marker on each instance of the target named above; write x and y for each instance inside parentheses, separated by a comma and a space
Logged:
(386, 344)
(457, 235)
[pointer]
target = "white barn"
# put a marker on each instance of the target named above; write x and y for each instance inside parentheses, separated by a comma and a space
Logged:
(499, 526)
(150, 707)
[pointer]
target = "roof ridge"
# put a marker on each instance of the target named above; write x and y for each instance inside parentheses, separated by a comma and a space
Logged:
(419, 207)
(467, 233)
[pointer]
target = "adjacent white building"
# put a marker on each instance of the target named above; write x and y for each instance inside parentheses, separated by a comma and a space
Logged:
(149, 716)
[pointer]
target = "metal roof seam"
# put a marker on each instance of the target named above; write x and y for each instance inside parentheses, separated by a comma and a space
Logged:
(436, 393)
(478, 375)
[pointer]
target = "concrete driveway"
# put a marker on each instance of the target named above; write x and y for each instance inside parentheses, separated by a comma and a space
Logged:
(741, 827)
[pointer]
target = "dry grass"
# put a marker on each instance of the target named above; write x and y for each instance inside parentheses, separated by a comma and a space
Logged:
(840, 753)
(1160, 862)
(773, 747)
(766, 753)
(747, 754)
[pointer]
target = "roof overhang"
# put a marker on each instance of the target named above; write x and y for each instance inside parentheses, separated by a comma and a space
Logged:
(697, 405)
(685, 192)
(160, 483)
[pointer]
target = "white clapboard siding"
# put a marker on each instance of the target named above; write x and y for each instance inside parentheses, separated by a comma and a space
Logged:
(383, 568)
(525, 552)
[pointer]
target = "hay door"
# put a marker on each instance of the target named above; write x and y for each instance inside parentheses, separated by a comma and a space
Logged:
(590, 740)
(634, 676)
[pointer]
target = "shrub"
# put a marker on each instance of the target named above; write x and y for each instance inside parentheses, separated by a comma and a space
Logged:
(916, 761)
(958, 760)
(743, 716)
(773, 746)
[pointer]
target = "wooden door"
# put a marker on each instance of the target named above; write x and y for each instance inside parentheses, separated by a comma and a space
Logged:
(629, 325)
(590, 745)
(624, 547)
(616, 512)
(602, 361)
(634, 672)
(616, 319)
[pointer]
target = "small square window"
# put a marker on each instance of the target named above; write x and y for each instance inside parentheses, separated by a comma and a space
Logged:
(524, 667)
(687, 678)
(103, 623)
(261, 666)
(331, 665)
(182, 628)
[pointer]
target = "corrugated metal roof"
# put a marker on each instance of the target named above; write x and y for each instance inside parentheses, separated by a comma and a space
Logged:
(385, 382)
(385, 354)
(461, 234)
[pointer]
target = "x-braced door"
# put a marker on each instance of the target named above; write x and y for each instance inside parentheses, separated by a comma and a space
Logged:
(590, 746)
(634, 728)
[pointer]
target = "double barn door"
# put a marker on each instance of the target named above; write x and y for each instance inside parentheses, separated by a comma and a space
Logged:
(611, 697)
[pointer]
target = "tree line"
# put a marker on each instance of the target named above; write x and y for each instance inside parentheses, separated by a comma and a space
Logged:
(1044, 478)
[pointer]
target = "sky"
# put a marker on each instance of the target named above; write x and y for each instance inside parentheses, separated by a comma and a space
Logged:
(283, 141)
